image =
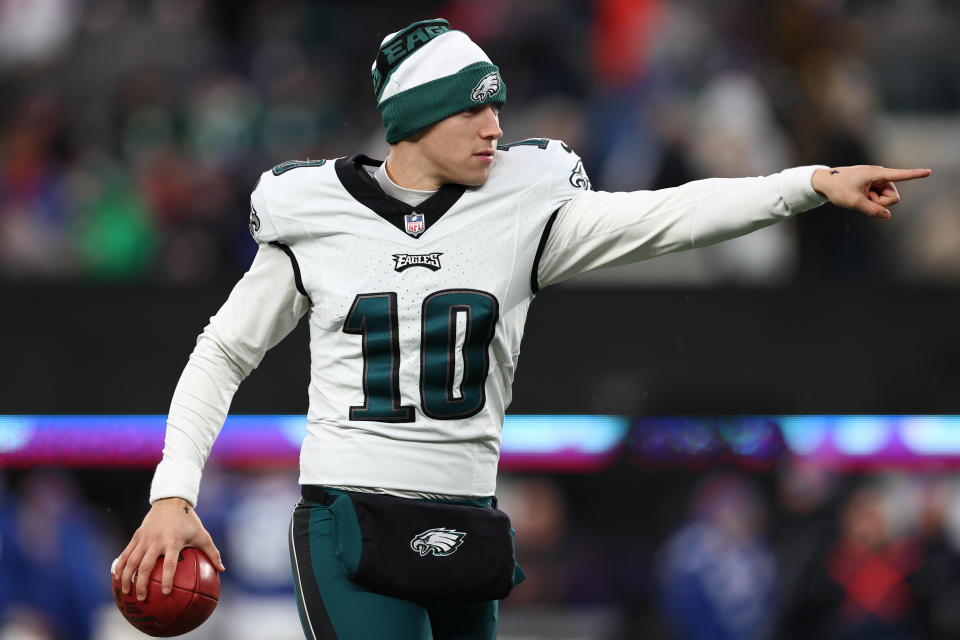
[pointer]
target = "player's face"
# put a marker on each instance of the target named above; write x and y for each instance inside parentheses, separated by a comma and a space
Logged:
(461, 147)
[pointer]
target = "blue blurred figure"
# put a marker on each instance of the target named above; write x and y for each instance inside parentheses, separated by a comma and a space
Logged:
(54, 568)
(717, 573)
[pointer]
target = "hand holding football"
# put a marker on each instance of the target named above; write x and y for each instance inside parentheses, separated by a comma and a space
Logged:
(196, 590)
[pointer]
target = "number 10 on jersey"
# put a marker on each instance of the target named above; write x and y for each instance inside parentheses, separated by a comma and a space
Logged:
(374, 317)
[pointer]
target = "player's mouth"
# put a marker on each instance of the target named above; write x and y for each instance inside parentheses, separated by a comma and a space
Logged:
(485, 155)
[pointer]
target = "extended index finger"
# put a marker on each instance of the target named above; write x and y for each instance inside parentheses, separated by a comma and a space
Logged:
(899, 175)
(120, 562)
(127, 567)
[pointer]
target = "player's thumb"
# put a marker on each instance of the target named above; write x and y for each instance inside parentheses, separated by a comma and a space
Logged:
(871, 208)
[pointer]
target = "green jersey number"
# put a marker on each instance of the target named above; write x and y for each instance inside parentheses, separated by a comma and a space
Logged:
(374, 316)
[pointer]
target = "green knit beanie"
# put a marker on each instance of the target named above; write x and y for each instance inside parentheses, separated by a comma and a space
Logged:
(427, 72)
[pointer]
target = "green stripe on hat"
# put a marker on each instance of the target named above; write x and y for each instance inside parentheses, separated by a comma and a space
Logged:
(410, 111)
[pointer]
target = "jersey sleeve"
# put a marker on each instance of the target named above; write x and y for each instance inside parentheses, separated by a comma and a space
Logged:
(596, 229)
(263, 228)
(262, 309)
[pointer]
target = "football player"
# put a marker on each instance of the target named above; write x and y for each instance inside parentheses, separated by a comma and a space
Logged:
(416, 274)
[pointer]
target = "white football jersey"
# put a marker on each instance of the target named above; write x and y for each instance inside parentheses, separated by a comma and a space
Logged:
(416, 313)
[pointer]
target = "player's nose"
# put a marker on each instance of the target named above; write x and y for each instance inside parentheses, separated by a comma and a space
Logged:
(490, 124)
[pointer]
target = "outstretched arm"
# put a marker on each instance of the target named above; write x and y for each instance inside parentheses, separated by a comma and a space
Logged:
(866, 188)
(597, 229)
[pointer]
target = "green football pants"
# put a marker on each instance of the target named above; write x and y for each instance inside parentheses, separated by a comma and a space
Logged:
(332, 607)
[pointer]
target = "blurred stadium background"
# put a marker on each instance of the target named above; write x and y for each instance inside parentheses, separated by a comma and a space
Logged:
(759, 443)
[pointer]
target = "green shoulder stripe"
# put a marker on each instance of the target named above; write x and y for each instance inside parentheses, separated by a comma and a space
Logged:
(289, 165)
(529, 142)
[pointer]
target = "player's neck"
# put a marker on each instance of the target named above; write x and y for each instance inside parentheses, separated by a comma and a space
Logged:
(409, 171)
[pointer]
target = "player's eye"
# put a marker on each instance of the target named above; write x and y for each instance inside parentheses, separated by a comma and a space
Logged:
(496, 106)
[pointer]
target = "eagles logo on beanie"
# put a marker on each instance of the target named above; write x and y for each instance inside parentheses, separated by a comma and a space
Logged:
(427, 72)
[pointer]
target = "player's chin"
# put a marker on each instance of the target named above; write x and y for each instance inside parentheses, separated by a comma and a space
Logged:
(476, 177)
(478, 182)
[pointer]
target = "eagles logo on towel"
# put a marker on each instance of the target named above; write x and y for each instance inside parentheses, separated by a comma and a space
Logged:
(488, 86)
(439, 541)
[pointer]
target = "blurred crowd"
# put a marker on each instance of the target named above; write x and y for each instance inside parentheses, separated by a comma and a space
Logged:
(793, 552)
(875, 559)
(131, 133)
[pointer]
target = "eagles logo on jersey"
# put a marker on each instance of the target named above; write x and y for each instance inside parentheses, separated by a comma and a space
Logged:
(402, 261)
(254, 222)
(578, 177)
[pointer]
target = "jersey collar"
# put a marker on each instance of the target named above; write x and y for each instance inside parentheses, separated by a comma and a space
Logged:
(368, 192)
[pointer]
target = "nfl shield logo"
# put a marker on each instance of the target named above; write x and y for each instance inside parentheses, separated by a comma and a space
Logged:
(415, 225)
